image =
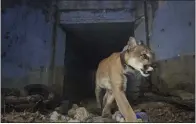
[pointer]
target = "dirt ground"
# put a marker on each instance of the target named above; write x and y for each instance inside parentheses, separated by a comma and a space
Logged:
(157, 112)
(160, 112)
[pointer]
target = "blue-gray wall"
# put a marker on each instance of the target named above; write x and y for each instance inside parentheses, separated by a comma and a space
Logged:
(171, 34)
(26, 44)
(173, 29)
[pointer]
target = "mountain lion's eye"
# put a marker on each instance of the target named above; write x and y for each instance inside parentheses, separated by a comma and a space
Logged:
(144, 56)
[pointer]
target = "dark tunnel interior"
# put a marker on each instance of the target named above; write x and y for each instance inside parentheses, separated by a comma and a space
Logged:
(86, 46)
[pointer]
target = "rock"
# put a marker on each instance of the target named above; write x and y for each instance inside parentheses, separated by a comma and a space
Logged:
(42, 117)
(81, 114)
(72, 111)
(118, 117)
(56, 117)
(78, 113)
(74, 106)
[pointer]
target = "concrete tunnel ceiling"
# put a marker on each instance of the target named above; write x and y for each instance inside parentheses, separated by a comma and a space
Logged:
(98, 40)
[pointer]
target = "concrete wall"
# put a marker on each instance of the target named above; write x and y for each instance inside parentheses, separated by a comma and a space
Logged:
(26, 46)
(173, 41)
(97, 16)
(172, 29)
(75, 12)
(66, 5)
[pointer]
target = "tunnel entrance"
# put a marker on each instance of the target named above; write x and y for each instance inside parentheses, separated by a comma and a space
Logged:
(86, 46)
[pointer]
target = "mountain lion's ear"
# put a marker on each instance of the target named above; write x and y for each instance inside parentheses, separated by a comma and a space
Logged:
(141, 42)
(131, 43)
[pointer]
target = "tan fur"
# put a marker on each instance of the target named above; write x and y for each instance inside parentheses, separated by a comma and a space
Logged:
(107, 72)
(110, 76)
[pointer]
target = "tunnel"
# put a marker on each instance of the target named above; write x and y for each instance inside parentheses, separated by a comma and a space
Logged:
(86, 46)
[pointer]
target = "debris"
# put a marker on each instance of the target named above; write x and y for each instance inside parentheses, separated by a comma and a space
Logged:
(56, 117)
(72, 111)
(78, 113)
(81, 114)
(118, 117)
(23, 117)
(156, 111)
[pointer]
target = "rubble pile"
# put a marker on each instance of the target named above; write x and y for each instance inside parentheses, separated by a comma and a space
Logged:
(158, 112)
(30, 111)
(23, 117)
(75, 114)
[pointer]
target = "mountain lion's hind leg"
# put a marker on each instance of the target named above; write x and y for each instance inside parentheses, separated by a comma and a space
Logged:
(108, 104)
(105, 98)
(98, 95)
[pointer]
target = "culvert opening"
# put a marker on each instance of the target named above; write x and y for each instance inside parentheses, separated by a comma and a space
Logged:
(86, 46)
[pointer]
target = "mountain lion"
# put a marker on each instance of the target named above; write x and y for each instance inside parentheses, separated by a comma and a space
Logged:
(111, 72)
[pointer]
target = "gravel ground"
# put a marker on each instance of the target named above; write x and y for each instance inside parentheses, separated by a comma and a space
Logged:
(157, 112)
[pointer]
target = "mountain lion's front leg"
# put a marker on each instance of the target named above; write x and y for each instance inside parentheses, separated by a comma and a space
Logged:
(121, 100)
